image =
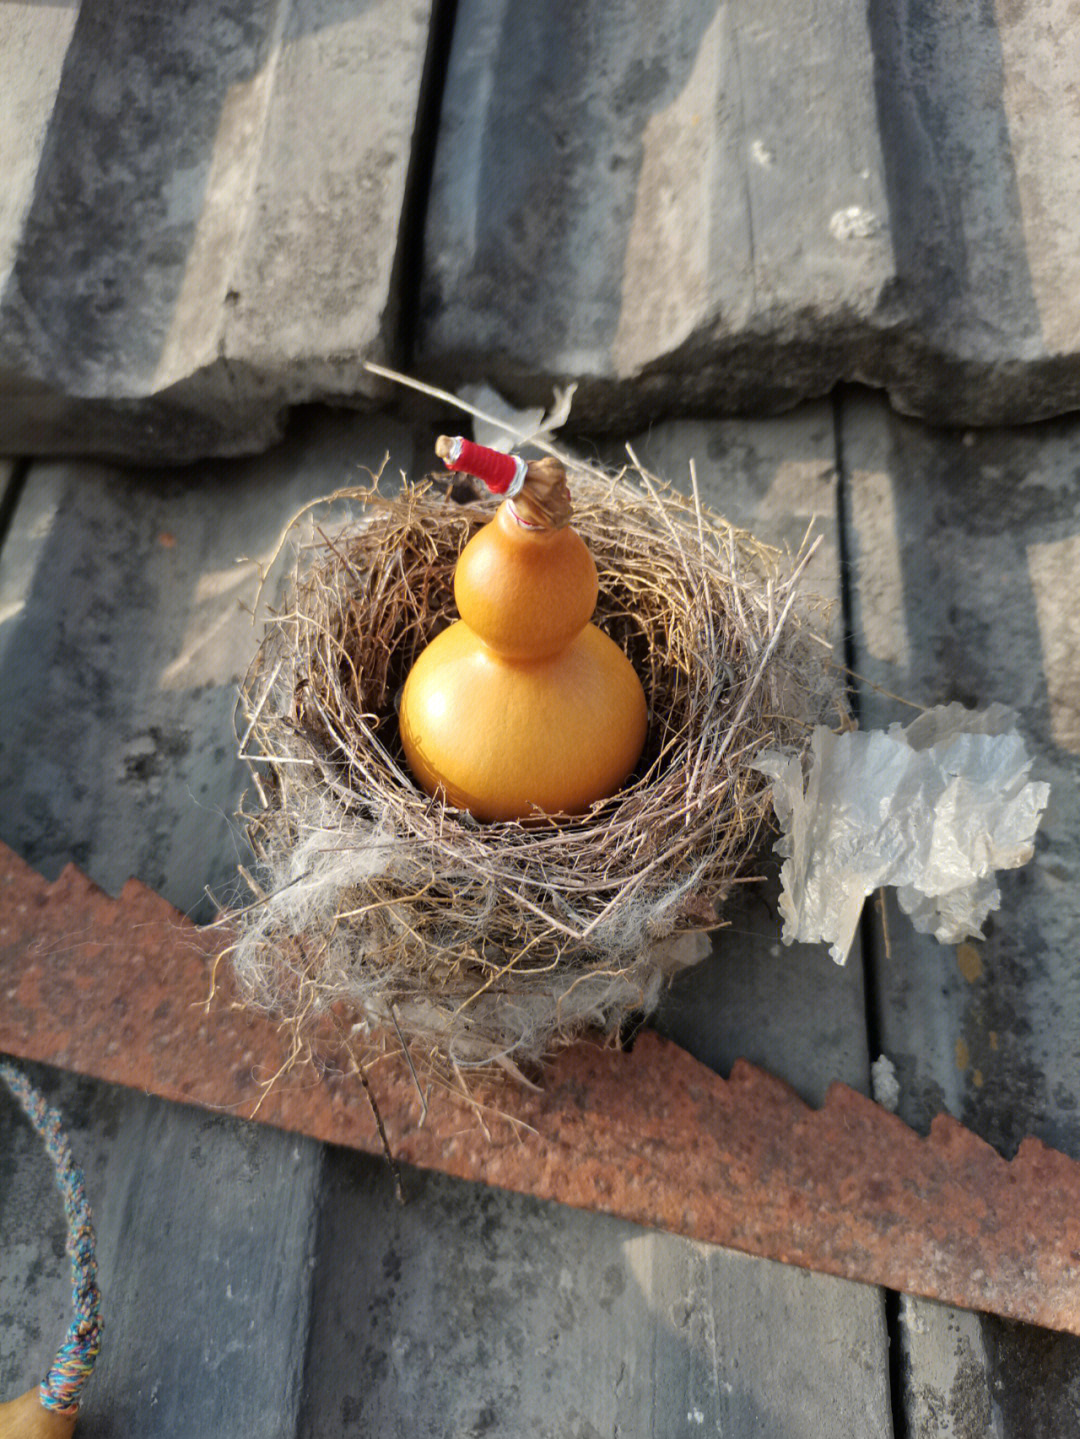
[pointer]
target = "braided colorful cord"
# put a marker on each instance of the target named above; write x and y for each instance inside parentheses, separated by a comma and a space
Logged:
(74, 1362)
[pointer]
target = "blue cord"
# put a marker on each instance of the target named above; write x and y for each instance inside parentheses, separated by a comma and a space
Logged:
(67, 1375)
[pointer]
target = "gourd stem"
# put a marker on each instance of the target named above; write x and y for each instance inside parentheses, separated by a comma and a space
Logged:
(540, 498)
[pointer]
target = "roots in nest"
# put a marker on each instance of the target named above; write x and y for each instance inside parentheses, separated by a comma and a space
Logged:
(490, 943)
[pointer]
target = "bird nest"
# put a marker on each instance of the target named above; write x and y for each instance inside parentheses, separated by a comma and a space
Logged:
(477, 944)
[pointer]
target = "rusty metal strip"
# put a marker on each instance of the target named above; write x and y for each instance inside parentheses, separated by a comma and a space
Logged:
(117, 989)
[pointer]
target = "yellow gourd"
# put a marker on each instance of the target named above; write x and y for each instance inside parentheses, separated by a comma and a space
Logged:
(523, 705)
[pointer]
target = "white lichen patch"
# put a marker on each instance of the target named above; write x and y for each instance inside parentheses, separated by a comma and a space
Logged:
(855, 223)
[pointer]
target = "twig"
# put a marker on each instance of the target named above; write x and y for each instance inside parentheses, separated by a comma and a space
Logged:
(395, 1169)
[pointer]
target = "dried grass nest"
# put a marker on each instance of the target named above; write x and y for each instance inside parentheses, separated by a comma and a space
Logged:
(480, 944)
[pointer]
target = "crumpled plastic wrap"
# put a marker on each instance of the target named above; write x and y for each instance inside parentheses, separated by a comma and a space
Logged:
(934, 808)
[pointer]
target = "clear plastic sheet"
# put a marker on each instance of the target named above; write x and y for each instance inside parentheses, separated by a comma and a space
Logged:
(933, 808)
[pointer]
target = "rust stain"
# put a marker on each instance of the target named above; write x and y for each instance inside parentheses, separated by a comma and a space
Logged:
(116, 988)
(970, 962)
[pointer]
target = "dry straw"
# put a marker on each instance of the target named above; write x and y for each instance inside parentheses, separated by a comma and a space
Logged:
(474, 944)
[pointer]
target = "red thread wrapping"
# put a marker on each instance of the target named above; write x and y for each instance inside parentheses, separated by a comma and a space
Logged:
(493, 467)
